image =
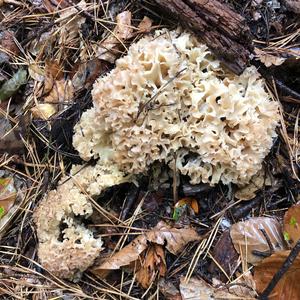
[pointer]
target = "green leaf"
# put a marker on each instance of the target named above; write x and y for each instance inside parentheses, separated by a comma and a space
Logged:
(286, 236)
(178, 211)
(1, 211)
(13, 84)
(293, 221)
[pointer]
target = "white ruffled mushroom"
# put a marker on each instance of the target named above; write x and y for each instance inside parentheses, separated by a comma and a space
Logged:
(169, 96)
(66, 246)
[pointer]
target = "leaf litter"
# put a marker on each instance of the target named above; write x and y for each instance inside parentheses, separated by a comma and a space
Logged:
(48, 67)
(162, 234)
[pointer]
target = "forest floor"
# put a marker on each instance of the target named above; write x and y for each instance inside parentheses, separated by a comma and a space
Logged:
(49, 60)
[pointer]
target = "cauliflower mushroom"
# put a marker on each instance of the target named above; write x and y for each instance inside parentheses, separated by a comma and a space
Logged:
(169, 97)
(167, 100)
(66, 246)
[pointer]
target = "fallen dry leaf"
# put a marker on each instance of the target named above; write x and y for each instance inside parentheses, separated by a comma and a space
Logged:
(168, 289)
(42, 44)
(8, 194)
(8, 47)
(62, 92)
(53, 5)
(36, 73)
(10, 141)
(87, 73)
(12, 189)
(44, 111)
(109, 49)
(198, 289)
(291, 224)
(162, 234)
(248, 236)
(53, 72)
(257, 182)
(288, 287)
(226, 256)
(244, 286)
(70, 23)
(267, 59)
(145, 25)
(153, 265)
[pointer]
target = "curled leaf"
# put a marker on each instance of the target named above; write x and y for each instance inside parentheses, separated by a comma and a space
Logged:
(250, 238)
(182, 204)
(145, 25)
(175, 240)
(152, 265)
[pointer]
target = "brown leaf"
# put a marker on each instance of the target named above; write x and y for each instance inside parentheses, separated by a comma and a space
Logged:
(53, 72)
(10, 141)
(70, 23)
(154, 264)
(62, 91)
(175, 240)
(87, 73)
(8, 47)
(12, 189)
(53, 5)
(168, 289)
(226, 256)
(291, 224)
(288, 287)
(196, 289)
(248, 236)
(109, 49)
(36, 72)
(145, 25)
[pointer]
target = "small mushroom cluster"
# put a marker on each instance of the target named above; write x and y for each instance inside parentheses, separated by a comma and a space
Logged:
(66, 246)
(168, 100)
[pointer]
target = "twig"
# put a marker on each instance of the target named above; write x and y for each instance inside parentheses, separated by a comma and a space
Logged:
(175, 192)
(130, 199)
(160, 90)
(285, 266)
(287, 90)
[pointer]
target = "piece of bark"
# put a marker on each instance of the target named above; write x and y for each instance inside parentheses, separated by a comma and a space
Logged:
(217, 25)
(293, 5)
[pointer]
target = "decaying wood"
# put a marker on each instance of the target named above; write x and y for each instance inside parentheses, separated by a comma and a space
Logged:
(217, 25)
